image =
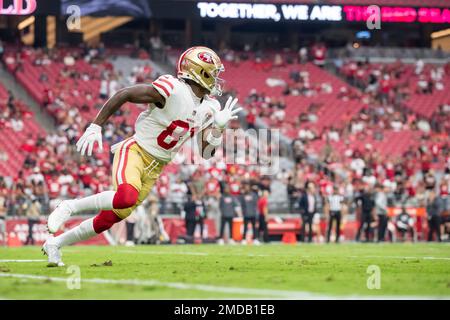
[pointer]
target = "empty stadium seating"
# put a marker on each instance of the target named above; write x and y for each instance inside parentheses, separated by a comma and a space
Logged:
(247, 76)
(422, 104)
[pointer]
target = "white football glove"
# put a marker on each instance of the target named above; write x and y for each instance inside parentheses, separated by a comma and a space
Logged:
(222, 117)
(92, 134)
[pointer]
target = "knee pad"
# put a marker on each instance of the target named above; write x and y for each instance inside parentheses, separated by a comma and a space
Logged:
(126, 196)
(104, 220)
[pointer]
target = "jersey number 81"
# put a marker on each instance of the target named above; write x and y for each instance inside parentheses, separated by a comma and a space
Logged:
(174, 136)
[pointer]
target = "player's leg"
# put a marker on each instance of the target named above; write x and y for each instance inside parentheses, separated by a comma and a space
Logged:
(201, 222)
(230, 229)
(368, 228)
(244, 236)
(330, 226)
(128, 186)
(310, 227)
(3, 231)
(254, 229)
(125, 193)
(303, 233)
(134, 174)
(438, 229)
(190, 228)
(222, 227)
(360, 228)
(338, 226)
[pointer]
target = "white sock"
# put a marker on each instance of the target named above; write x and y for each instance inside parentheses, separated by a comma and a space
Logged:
(83, 231)
(99, 201)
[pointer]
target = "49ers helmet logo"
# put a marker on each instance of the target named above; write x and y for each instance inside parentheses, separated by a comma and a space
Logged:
(205, 57)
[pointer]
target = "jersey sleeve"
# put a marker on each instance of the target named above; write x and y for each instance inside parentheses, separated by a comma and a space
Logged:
(165, 85)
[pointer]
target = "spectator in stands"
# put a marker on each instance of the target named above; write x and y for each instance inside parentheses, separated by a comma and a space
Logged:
(197, 184)
(3, 156)
(162, 189)
(308, 208)
(249, 206)
(303, 55)
(251, 119)
(16, 124)
(36, 177)
(434, 210)
(419, 66)
(103, 91)
(178, 191)
(278, 61)
(319, 52)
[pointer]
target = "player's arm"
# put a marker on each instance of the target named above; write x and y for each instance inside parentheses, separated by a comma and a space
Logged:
(140, 93)
(206, 139)
(210, 138)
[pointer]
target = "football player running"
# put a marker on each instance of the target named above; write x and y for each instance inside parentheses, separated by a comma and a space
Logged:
(179, 107)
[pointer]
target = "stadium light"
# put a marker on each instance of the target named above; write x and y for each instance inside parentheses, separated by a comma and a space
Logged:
(440, 34)
(26, 23)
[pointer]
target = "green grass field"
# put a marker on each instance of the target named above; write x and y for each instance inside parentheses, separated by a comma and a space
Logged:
(212, 271)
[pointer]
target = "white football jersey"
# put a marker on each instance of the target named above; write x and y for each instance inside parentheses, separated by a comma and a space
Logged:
(162, 131)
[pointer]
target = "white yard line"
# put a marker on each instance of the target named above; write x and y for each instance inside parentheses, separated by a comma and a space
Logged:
(261, 293)
(192, 253)
(402, 257)
(26, 260)
(165, 252)
(435, 258)
(282, 294)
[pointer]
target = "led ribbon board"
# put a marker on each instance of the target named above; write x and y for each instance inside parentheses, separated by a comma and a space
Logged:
(290, 12)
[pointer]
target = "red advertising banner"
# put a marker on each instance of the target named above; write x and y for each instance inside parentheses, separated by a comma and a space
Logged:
(415, 212)
(175, 227)
(17, 232)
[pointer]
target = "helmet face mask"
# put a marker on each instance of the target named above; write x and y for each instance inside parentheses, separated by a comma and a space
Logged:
(218, 82)
(203, 66)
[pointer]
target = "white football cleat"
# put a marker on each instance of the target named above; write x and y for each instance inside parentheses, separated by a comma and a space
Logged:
(52, 251)
(60, 215)
(129, 243)
(220, 242)
(256, 242)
